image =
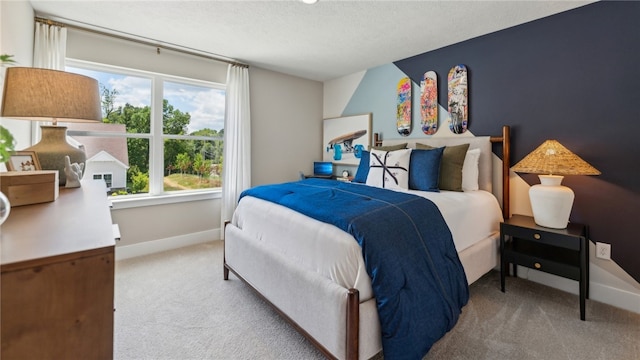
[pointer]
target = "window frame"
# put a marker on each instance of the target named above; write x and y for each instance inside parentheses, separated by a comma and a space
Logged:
(102, 175)
(156, 194)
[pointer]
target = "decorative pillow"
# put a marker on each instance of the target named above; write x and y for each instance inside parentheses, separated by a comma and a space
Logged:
(389, 147)
(389, 169)
(363, 168)
(451, 166)
(470, 170)
(424, 169)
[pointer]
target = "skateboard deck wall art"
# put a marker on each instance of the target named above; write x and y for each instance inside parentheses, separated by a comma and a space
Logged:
(458, 101)
(403, 114)
(429, 102)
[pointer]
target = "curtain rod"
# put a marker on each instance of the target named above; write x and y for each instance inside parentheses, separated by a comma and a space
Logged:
(149, 42)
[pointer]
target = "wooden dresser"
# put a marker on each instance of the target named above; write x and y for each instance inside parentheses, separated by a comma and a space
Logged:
(57, 283)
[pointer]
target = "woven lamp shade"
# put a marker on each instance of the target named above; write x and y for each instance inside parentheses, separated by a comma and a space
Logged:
(554, 159)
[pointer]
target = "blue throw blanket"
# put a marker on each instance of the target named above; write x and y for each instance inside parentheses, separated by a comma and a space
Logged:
(417, 278)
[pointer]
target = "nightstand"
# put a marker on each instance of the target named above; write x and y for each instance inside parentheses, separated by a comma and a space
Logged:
(562, 252)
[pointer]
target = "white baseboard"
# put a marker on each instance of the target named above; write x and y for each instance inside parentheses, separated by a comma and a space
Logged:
(615, 297)
(597, 292)
(155, 246)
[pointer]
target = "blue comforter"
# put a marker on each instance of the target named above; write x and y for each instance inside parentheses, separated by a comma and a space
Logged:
(417, 278)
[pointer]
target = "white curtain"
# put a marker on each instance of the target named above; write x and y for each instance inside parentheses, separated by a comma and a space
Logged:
(50, 46)
(237, 140)
(49, 52)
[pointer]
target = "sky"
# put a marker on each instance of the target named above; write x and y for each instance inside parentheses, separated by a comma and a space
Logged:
(205, 105)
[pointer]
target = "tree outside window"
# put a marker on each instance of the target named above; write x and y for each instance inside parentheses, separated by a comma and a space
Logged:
(126, 145)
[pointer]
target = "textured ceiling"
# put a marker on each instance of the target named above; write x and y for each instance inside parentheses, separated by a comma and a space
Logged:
(322, 41)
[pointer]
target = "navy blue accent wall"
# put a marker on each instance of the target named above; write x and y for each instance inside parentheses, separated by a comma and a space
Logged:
(573, 77)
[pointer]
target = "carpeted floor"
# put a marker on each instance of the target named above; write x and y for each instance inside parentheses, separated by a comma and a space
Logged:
(175, 305)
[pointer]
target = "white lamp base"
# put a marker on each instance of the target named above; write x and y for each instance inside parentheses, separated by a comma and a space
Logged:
(551, 202)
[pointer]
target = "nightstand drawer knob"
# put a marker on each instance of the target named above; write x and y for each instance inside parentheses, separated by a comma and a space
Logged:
(537, 236)
(537, 265)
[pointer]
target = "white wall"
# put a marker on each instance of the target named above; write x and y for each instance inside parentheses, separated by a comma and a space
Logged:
(16, 38)
(286, 130)
(83, 45)
(286, 126)
(337, 94)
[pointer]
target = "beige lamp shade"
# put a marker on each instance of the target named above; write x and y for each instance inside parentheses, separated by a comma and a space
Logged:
(554, 159)
(51, 95)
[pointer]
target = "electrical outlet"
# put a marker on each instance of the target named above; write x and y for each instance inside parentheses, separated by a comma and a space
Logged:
(603, 251)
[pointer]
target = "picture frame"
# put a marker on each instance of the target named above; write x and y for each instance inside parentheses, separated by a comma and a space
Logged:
(344, 138)
(23, 161)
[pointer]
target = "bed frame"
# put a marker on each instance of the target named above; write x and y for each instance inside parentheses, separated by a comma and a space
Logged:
(357, 324)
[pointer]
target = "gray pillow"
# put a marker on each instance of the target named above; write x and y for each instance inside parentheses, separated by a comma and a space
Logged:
(450, 166)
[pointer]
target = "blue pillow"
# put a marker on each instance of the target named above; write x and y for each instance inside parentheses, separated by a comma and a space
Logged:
(363, 168)
(424, 169)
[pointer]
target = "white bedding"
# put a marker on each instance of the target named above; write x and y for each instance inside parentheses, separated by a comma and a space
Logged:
(471, 216)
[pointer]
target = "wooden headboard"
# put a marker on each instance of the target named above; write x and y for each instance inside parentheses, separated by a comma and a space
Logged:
(488, 179)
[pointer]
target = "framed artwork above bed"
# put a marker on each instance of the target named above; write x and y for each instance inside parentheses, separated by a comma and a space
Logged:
(344, 138)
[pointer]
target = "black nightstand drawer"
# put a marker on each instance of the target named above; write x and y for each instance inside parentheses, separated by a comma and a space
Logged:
(556, 261)
(543, 237)
(562, 252)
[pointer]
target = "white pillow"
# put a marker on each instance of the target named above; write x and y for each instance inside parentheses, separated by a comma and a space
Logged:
(470, 170)
(389, 169)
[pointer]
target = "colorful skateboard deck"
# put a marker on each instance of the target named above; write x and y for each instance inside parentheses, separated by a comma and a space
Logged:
(403, 115)
(429, 102)
(458, 105)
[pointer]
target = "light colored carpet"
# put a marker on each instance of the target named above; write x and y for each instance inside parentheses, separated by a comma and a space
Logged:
(175, 305)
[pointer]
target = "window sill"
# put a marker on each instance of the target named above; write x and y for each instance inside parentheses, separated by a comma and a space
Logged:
(134, 201)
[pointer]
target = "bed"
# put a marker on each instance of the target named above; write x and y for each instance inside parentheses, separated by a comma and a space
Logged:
(314, 273)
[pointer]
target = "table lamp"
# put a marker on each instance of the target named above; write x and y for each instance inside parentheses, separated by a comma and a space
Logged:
(51, 95)
(551, 202)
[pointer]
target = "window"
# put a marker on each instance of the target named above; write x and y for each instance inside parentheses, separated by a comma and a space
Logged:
(108, 179)
(160, 134)
(192, 144)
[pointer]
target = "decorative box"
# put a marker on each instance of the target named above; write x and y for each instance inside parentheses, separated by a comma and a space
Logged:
(29, 187)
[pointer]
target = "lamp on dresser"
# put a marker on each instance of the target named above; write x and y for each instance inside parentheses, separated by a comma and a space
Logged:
(51, 95)
(551, 202)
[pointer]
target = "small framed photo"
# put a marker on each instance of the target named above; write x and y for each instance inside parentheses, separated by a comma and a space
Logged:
(23, 161)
